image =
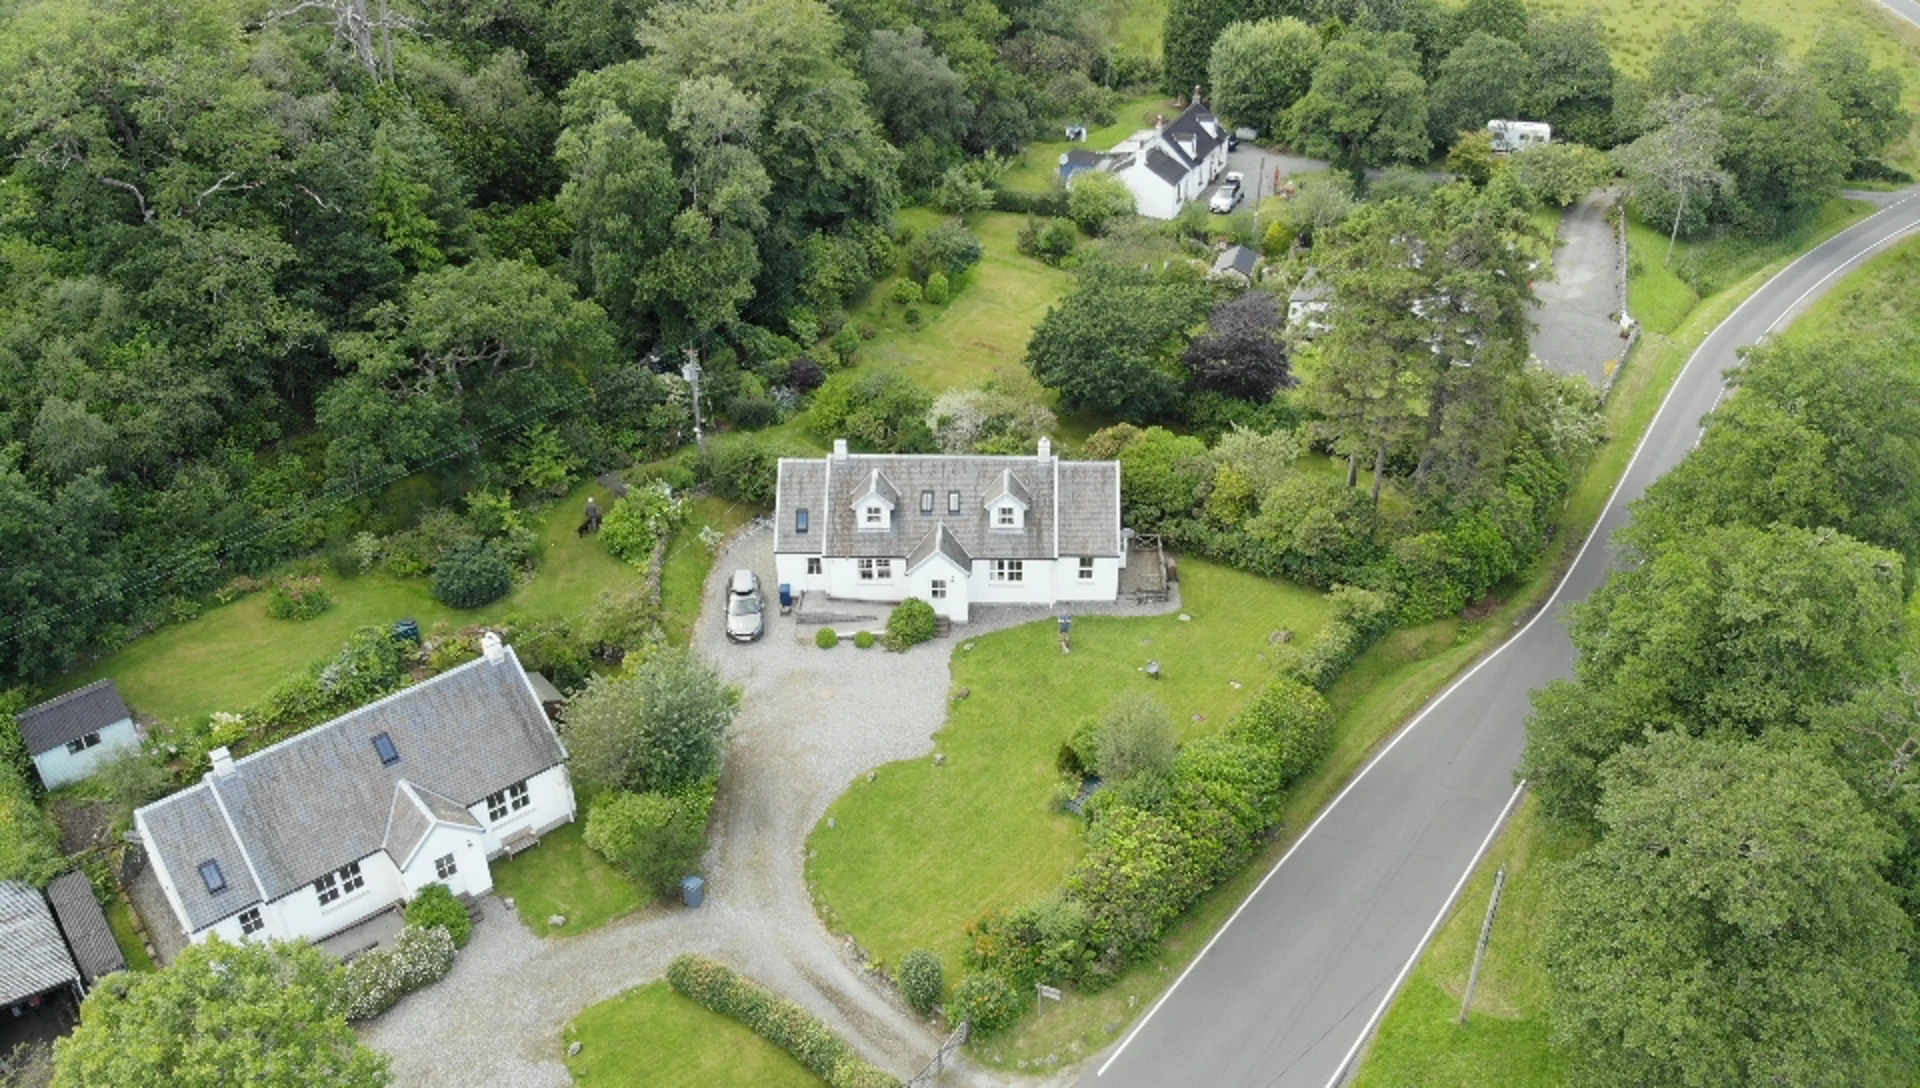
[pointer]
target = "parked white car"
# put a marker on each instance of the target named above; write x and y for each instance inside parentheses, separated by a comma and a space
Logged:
(1227, 196)
(746, 612)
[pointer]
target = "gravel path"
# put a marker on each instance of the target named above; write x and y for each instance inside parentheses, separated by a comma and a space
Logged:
(810, 723)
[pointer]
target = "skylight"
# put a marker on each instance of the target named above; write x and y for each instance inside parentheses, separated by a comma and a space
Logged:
(383, 744)
(212, 877)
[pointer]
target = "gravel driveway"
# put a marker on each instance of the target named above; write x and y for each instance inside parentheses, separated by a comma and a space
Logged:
(810, 723)
(1578, 332)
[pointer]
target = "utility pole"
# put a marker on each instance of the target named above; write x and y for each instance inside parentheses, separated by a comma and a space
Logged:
(1486, 934)
(691, 372)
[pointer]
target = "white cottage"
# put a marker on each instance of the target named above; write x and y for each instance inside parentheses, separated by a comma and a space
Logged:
(1166, 167)
(71, 735)
(954, 531)
(319, 832)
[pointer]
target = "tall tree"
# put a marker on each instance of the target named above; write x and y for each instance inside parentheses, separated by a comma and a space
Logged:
(265, 1013)
(1569, 78)
(1731, 927)
(1868, 97)
(1259, 70)
(1241, 353)
(915, 91)
(1482, 80)
(1112, 346)
(1676, 166)
(661, 728)
(1367, 105)
(1499, 18)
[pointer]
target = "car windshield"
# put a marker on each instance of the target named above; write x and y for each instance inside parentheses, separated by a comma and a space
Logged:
(743, 606)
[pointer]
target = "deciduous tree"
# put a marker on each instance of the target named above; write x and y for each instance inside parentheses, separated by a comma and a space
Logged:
(1258, 70)
(1367, 104)
(661, 727)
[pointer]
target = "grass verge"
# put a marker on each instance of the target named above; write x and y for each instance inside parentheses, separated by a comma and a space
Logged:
(651, 1037)
(120, 920)
(922, 850)
(563, 876)
(230, 656)
(683, 579)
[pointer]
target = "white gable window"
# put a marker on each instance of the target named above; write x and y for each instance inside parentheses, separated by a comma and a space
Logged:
(251, 922)
(507, 802)
(876, 570)
(1086, 569)
(1007, 570)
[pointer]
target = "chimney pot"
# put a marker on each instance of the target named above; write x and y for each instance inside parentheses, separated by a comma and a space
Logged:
(222, 762)
(492, 648)
(839, 449)
(1046, 449)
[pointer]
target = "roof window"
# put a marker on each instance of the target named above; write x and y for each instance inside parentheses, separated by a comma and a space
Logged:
(212, 877)
(389, 755)
(800, 520)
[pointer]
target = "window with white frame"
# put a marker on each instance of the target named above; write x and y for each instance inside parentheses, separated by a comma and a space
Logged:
(1007, 570)
(75, 747)
(939, 589)
(926, 502)
(507, 802)
(1086, 568)
(342, 881)
(813, 565)
(1003, 517)
(953, 502)
(873, 517)
(876, 570)
(251, 922)
(444, 867)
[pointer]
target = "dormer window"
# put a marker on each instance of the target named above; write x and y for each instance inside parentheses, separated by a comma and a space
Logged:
(874, 517)
(1004, 518)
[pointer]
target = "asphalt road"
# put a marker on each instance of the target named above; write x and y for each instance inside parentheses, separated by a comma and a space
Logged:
(1906, 9)
(1294, 983)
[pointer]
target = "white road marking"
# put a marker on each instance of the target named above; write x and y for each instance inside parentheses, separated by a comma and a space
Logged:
(1579, 557)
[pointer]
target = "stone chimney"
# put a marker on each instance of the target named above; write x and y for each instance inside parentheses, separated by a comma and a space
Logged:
(1046, 449)
(222, 762)
(492, 648)
(839, 449)
(1197, 100)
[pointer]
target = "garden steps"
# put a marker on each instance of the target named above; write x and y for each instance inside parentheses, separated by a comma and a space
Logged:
(942, 627)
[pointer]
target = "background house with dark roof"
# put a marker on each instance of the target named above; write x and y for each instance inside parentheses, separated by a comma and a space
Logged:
(37, 973)
(1167, 166)
(954, 531)
(69, 736)
(1236, 264)
(313, 835)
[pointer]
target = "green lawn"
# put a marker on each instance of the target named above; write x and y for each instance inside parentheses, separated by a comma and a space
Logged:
(1875, 302)
(1037, 164)
(651, 1037)
(562, 876)
(231, 655)
(1421, 1043)
(923, 850)
(120, 920)
(1635, 29)
(683, 580)
(986, 326)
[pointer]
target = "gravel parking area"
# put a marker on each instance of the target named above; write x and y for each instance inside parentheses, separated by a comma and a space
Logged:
(810, 723)
(1578, 332)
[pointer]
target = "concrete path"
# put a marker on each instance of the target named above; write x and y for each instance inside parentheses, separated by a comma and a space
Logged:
(1577, 331)
(1290, 989)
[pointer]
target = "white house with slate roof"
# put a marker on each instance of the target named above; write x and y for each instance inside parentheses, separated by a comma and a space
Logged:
(954, 531)
(71, 735)
(315, 834)
(1167, 166)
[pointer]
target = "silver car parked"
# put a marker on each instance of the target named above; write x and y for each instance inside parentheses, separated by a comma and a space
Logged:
(746, 612)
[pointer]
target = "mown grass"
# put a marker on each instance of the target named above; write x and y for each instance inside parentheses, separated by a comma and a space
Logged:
(651, 1037)
(563, 876)
(986, 325)
(1414, 1045)
(231, 655)
(1662, 292)
(1635, 29)
(922, 850)
(1037, 165)
(1875, 302)
(683, 579)
(1422, 1044)
(120, 920)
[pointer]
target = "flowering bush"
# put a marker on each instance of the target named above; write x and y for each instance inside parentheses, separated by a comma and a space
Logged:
(297, 599)
(377, 980)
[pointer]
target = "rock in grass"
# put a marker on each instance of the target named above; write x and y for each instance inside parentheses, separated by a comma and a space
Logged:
(573, 1050)
(555, 921)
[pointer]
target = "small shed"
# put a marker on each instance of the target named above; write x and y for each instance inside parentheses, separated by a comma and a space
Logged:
(84, 924)
(70, 736)
(36, 971)
(1237, 264)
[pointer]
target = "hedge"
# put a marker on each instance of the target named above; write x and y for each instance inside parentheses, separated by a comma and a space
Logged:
(377, 980)
(1360, 618)
(779, 1021)
(910, 624)
(1052, 202)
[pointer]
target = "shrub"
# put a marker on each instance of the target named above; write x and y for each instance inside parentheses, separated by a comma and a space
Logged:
(297, 599)
(1043, 941)
(777, 1020)
(1360, 617)
(1134, 737)
(376, 981)
(922, 978)
(638, 522)
(912, 315)
(910, 624)
(949, 248)
(473, 574)
(1052, 202)
(805, 375)
(906, 292)
(29, 839)
(1290, 720)
(1096, 200)
(750, 413)
(654, 838)
(864, 640)
(1049, 240)
(744, 470)
(990, 1000)
(1140, 872)
(826, 638)
(436, 906)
